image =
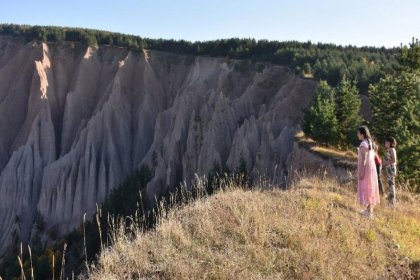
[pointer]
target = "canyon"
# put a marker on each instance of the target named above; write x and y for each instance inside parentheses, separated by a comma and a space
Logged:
(75, 121)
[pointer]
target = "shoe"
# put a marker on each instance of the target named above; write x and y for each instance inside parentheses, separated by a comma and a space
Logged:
(366, 213)
(363, 212)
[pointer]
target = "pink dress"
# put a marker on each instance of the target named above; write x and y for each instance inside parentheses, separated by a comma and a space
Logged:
(367, 189)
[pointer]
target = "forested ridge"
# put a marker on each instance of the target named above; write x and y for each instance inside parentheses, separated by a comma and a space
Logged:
(328, 62)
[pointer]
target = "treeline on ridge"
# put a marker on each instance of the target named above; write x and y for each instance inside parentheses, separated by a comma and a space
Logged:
(333, 116)
(321, 61)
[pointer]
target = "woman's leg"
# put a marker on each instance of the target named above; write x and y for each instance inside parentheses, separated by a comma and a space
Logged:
(369, 212)
(390, 173)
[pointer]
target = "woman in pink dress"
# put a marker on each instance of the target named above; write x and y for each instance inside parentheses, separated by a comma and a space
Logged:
(367, 187)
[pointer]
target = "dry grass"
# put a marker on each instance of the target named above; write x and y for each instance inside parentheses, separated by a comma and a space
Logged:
(313, 231)
(326, 152)
(330, 152)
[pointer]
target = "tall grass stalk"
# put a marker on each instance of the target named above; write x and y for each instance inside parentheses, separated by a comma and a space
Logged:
(84, 243)
(63, 262)
(30, 259)
(53, 266)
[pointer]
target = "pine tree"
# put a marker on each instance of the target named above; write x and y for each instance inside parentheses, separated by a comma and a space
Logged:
(396, 112)
(410, 56)
(348, 110)
(320, 121)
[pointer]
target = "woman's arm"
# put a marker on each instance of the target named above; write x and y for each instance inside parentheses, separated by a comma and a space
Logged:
(363, 162)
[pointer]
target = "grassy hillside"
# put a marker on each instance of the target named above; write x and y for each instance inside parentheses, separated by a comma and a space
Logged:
(313, 231)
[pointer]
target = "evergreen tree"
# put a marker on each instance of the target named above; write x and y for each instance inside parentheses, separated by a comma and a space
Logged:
(320, 121)
(348, 110)
(396, 112)
(410, 56)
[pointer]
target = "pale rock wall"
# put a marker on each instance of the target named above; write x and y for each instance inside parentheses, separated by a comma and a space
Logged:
(74, 122)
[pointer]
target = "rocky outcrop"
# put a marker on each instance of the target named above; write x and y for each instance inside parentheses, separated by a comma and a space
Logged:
(76, 121)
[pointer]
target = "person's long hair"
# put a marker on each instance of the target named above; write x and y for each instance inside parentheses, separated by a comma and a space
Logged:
(365, 132)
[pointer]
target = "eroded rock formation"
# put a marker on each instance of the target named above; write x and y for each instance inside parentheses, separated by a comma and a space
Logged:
(75, 121)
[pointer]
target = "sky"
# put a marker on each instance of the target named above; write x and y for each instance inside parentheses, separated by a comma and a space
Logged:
(343, 22)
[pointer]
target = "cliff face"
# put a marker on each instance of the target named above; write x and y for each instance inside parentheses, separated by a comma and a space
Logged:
(75, 122)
